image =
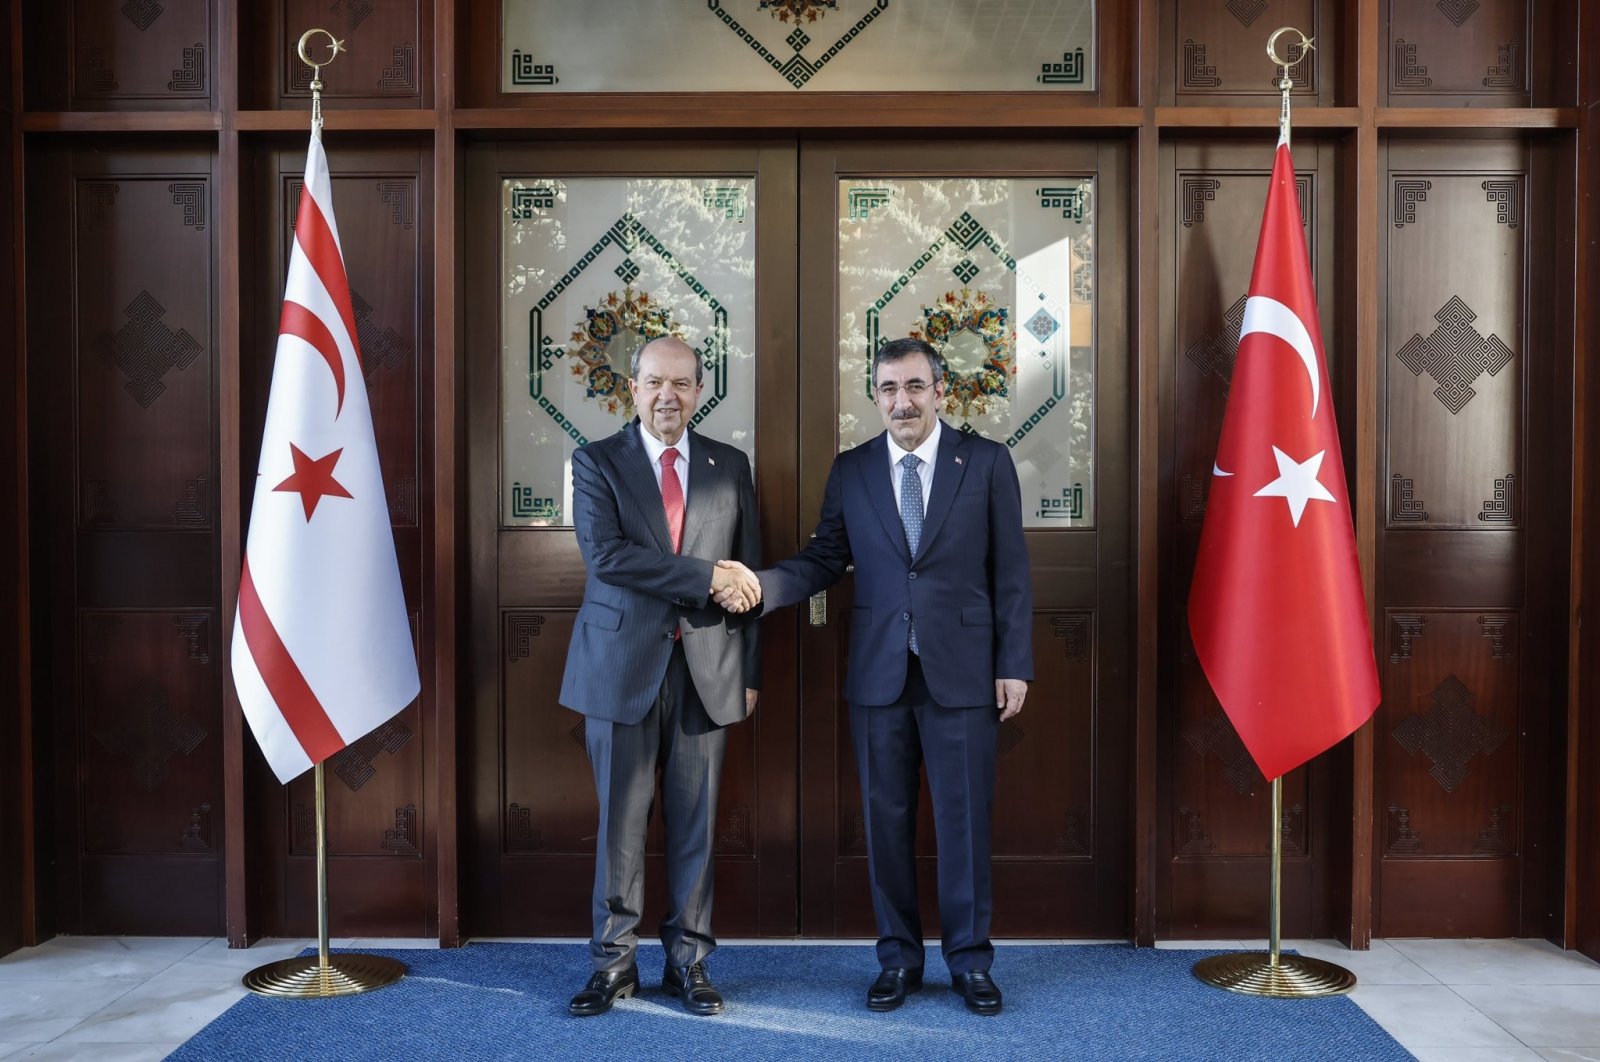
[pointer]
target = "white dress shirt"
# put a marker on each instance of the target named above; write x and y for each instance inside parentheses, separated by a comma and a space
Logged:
(926, 453)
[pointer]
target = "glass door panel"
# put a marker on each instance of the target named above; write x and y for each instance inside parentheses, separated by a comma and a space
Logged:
(1005, 258)
(593, 268)
(998, 275)
(575, 256)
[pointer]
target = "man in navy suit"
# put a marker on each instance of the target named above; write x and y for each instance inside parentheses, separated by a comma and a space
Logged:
(658, 669)
(940, 654)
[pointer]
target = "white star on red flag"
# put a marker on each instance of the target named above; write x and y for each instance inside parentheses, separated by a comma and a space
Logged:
(1259, 582)
(1297, 483)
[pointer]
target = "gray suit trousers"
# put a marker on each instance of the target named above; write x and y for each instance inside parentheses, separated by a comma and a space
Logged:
(677, 737)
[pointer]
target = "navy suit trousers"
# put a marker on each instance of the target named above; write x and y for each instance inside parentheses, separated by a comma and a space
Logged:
(957, 745)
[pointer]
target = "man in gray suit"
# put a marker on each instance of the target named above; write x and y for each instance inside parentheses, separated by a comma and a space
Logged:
(657, 667)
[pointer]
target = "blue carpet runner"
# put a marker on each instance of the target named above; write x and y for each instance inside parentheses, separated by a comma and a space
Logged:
(509, 1001)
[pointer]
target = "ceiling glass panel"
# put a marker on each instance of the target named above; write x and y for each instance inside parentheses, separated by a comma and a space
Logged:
(807, 45)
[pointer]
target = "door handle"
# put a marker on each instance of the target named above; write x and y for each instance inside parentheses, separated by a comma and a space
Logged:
(819, 609)
(819, 604)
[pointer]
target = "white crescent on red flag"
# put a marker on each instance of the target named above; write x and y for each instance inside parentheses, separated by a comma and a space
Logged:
(1276, 609)
(322, 650)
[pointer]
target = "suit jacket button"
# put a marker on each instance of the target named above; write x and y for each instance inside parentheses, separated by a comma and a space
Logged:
(912, 575)
(906, 616)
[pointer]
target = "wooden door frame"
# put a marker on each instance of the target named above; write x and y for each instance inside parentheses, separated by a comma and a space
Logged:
(495, 556)
(822, 164)
(17, 926)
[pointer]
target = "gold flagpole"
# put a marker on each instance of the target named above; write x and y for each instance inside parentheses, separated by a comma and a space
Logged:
(308, 977)
(1273, 973)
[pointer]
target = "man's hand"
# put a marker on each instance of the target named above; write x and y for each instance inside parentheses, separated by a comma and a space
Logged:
(750, 699)
(1008, 695)
(735, 587)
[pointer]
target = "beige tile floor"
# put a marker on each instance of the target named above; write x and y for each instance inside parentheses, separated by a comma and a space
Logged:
(132, 999)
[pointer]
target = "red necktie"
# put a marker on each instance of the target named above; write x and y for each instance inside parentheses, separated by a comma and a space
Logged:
(672, 496)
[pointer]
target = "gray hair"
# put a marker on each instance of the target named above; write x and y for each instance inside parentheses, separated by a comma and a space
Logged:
(896, 349)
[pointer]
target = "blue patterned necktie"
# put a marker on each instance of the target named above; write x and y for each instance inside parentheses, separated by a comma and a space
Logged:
(911, 516)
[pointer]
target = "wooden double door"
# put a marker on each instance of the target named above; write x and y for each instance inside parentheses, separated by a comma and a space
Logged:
(785, 262)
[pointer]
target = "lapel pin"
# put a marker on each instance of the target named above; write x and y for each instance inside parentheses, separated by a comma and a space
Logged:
(959, 461)
(711, 460)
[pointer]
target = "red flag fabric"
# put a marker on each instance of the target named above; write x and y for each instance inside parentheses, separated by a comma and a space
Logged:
(1276, 608)
(322, 651)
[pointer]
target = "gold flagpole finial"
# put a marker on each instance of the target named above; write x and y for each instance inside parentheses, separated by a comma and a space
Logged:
(1285, 82)
(335, 46)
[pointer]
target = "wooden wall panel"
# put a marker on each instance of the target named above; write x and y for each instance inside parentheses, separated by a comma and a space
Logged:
(145, 446)
(16, 768)
(149, 768)
(388, 62)
(1213, 52)
(133, 675)
(1581, 880)
(96, 55)
(1450, 704)
(382, 834)
(1457, 53)
(1462, 736)
(1453, 335)
(1215, 807)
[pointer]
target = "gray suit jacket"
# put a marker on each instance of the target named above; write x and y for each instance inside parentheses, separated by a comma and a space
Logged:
(638, 592)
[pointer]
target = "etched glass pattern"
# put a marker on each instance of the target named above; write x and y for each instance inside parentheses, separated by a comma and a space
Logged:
(998, 275)
(593, 268)
(797, 45)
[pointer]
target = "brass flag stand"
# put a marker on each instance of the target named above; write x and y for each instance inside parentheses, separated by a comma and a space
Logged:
(322, 975)
(1273, 973)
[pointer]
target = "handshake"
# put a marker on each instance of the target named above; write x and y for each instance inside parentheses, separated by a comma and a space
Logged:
(735, 587)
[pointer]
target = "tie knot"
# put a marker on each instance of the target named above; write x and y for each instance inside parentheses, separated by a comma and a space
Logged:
(669, 455)
(910, 462)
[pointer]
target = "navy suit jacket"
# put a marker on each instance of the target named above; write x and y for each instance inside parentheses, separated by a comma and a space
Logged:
(638, 592)
(968, 585)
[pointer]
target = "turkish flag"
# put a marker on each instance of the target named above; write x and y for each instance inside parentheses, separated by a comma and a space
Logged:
(322, 650)
(1276, 609)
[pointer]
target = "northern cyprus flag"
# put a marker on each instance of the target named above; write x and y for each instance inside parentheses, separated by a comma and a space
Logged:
(322, 649)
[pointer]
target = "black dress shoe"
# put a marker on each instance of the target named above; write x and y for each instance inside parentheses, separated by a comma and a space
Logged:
(979, 990)
(893, 986)
(693, 985)
(604, 989)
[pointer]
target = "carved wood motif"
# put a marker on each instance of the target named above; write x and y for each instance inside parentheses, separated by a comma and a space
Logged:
(1220, 57)
(1448, 766)
(384, 61)
(1471, 51)
(141, 727)
(144, 354)
(1404, 505)
(1458, 338)
(140, 52)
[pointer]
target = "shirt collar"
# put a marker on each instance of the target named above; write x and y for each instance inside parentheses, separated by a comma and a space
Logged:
(654, 447)
(926, 453)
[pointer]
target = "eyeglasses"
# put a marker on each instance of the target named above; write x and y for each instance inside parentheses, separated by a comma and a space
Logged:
(913, 388)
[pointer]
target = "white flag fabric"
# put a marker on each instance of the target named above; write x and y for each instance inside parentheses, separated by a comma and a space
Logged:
(322, 649)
